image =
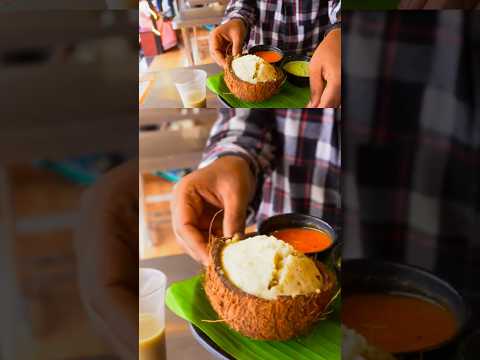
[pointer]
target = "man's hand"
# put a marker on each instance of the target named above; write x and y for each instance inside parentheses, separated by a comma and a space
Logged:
(106, 247)
(227, 184)
(231, 34)
(326, 72)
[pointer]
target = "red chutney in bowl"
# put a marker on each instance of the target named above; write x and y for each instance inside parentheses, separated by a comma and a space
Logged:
(269, 56)
(305, 240)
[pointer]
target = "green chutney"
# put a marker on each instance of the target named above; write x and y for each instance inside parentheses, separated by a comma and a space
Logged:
(297, 67)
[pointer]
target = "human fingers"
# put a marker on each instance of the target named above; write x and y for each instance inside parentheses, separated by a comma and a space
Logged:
(235, 209)
(186, 209)
(317, 86)
(331, 96)
(217, 48)
(237, 44)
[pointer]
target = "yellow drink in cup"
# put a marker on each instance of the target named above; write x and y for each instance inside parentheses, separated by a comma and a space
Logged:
(151, 340)
(151, 318)
(192, 88)
(195, 100)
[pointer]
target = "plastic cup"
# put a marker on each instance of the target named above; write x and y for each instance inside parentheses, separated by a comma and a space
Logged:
(191, 85)
(151, 341)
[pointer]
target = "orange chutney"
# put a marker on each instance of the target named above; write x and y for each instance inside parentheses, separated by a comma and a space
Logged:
(269, 56)
(305, 240)
(398, 323)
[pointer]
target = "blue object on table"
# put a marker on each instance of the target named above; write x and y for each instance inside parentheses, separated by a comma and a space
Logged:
(173, 175)
(83, 170)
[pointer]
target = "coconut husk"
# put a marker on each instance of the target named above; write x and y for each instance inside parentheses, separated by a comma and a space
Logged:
(280, 319)
(251, 92)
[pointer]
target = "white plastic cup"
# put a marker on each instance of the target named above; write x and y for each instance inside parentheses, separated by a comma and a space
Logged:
(152, 287)
(191, 85)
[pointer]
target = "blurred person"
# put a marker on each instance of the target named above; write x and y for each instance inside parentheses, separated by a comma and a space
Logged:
(106, 247)
(293, 26)
(269, 161)
(166, 7)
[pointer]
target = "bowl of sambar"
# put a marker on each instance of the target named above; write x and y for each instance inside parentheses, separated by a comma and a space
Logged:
(404, 310)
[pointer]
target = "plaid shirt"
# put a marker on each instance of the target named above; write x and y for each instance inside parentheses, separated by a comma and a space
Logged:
(293, 26)
(411, 109)
(295, 155)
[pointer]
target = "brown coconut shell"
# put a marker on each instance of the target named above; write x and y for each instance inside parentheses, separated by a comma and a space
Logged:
(251, 92)
(280, 319)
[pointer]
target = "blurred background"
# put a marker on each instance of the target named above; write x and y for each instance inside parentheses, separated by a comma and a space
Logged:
(171, 142)
(69, 112)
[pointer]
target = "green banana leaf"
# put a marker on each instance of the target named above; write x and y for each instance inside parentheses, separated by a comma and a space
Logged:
(370, 4)
(187, 299)
(289, 96)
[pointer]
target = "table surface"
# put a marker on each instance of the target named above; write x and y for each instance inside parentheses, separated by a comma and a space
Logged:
(162, 93)
(180, 341)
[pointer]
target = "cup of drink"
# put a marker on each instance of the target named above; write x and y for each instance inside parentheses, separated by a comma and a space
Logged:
(191, 85)
(151, 340)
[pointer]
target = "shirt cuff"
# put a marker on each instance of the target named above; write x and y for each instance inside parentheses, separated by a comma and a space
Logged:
(247, 19)
(334, 12)
(230, 150)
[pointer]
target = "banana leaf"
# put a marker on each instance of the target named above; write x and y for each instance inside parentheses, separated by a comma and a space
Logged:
(289, 96)
(187, 299)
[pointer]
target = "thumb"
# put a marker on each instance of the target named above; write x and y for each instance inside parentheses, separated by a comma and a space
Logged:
(234, 217)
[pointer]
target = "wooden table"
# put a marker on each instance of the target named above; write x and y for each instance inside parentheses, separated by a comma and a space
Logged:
(180, 341)
(161, 91)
